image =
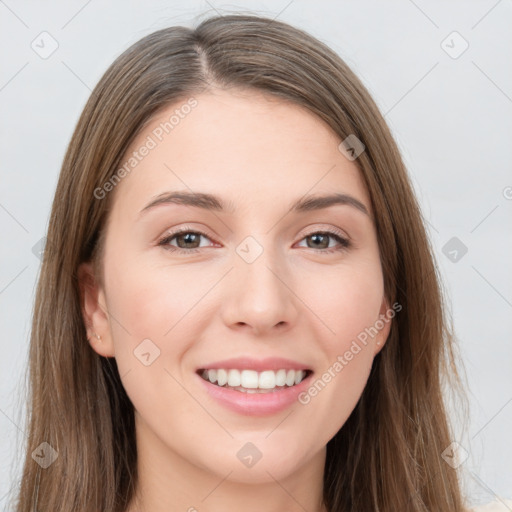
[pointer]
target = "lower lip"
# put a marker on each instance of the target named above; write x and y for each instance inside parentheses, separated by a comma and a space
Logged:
(256, 404)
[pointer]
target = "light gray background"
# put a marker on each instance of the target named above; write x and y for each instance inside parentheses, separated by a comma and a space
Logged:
(451, 118)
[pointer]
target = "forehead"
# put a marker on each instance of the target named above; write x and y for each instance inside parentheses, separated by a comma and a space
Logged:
(248, 147)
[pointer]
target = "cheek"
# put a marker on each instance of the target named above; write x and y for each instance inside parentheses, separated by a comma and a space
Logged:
(153, 302)
(349, 306)
(151, 311)
(158, 314)
(347, 300)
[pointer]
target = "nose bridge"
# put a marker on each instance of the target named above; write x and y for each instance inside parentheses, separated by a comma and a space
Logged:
(258, 294)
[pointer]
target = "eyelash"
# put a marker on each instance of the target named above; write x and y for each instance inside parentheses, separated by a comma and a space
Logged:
(344, 243)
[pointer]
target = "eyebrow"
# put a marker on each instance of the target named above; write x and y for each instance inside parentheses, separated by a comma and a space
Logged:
(212, 202)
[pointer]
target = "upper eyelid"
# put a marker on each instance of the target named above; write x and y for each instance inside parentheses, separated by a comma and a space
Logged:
(313, 227)
(186, 229)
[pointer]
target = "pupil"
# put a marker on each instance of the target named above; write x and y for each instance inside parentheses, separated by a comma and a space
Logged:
(189, 238)
(315, 237)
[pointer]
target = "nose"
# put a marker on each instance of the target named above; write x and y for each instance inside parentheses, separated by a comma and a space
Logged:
(259, 296)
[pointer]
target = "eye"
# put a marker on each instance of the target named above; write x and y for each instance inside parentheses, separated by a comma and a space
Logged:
(186, 239)
(189, 241)
(320, 241)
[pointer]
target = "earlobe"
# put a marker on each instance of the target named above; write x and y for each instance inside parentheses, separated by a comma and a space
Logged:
(94, 311)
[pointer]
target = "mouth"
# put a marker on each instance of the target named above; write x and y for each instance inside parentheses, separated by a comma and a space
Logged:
(251, 381)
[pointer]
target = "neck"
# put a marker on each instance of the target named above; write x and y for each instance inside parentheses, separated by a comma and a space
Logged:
(168, 482)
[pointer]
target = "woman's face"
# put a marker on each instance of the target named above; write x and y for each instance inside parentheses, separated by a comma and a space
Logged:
(252, 277)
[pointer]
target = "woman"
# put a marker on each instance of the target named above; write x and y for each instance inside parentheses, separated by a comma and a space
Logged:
(238, 305)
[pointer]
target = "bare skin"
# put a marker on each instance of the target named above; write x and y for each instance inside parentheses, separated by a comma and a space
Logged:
(305, 297)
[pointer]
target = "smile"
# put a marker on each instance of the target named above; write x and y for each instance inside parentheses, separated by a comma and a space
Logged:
(251, 381)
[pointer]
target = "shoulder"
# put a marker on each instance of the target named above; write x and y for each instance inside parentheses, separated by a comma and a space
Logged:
(498, 505)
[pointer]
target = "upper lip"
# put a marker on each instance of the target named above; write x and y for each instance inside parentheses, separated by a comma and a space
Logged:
(259, 365)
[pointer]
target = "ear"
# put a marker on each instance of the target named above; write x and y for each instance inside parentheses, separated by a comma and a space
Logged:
(383, 324)
(94, 311)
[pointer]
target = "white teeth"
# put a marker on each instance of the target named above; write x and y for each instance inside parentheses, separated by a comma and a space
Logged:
(248, 379)
(280, 377)
(222, 377)
(234, 378)
(253, 380)
(267, 380)
(212, 376)
(290, 378)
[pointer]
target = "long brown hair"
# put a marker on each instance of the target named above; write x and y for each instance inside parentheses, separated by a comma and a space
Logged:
(387, 456)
